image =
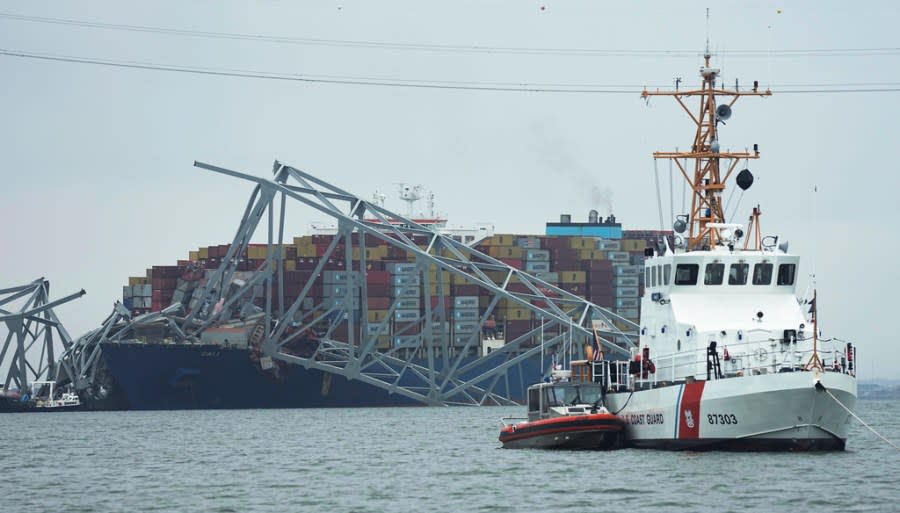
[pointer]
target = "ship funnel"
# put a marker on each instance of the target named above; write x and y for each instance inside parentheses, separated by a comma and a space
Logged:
(723, 112)
(592, 216)
(565, 218)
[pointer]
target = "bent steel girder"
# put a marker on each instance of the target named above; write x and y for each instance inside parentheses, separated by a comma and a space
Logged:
(336, 335)
(31, 328)
(80, 363)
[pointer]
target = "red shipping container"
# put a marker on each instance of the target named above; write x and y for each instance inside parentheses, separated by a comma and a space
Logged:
(378, 289)
(512, 262)
(378, 277)
(554, 243)
(562, 265)
(378, 303)
(465, 290)
(597, 265)
(518, 287)
(407, 328)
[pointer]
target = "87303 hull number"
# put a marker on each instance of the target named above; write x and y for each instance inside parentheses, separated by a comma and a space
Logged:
(721, 418)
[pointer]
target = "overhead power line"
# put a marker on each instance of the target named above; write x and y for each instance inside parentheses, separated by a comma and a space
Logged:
(592, 52)
(882, 87)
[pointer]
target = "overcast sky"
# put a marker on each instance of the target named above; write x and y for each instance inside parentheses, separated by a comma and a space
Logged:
(96, 161)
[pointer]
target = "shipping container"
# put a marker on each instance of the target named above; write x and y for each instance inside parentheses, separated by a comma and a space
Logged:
(406, 341)
(406, 315)
(628, 313)
(539, 266)
(408, 303)
(609, 245)
(406, 280)
(465, 302)
(405, 292)
(572, 277)
(465, 314)
(528, 242)
(464, 327)
(626, 281)
(627, 302)
(400, 268)
(537, 255)
(627, 292)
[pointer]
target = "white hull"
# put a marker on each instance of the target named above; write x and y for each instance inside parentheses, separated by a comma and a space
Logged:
(782, 411)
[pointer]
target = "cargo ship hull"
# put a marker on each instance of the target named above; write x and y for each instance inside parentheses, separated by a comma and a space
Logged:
(182, 376)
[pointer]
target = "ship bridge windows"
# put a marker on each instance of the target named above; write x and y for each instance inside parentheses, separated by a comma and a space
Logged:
(762, 274)
(714, 274)
(737, 274)
(686, 274)
(786, 274)
(667, 273)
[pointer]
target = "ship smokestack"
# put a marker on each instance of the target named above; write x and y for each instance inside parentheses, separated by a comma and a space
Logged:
(592, 216)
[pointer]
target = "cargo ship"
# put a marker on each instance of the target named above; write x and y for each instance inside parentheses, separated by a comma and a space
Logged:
(225, 366)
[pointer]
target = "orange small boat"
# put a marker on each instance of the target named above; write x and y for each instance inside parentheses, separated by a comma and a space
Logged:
(564, 415)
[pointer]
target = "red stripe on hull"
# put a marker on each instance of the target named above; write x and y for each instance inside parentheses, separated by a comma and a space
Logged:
(689, 411)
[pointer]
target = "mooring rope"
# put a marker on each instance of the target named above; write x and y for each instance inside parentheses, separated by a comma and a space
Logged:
(861, 421)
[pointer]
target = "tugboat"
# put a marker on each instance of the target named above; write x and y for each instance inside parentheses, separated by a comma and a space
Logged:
(737, 361)
(564, 413)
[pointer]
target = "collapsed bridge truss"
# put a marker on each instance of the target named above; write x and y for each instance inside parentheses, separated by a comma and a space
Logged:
(426, 361)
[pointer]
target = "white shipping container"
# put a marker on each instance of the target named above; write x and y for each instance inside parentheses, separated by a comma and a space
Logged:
(465, 314)
(400, 268)
(408, 303)
(534, 267)
(465, 327)
(406, 341)
(406, 315)
(627, 302)
(406, 280)
(405, 292)
(627, 292)
(609, 245)
(537, 255)
(465, 302)
(626, 281)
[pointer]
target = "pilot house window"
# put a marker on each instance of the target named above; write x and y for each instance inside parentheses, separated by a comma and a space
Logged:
(737, 275)
(686, 274)
(786, 274)
(714, 274)
(762, 274)
(667, 273)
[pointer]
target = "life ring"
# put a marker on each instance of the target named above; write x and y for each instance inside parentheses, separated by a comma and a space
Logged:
(761, 354)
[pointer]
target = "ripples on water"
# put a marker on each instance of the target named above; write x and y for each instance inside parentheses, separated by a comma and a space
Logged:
(408, 459)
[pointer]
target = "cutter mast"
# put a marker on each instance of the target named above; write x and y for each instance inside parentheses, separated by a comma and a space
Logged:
(706, 181)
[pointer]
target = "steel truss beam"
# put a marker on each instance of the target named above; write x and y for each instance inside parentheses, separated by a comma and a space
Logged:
(31, 329)
(427, 367)
(335, 335)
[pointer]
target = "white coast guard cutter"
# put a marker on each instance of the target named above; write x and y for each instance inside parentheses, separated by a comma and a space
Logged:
(736, 360)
